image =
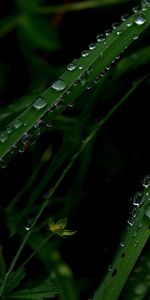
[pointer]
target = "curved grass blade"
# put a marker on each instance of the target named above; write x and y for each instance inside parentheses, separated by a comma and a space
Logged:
(71, 84)
(133, 241)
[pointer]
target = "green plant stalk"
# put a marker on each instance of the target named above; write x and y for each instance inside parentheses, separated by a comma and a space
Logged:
(94, 64)
(134, 239)
(52, 190)
(80, 5)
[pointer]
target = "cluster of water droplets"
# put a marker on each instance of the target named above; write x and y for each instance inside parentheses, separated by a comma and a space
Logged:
(17, 123)
(60, 85)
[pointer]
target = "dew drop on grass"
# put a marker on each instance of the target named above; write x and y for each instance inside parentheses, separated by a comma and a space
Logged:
(59, 85)
(100, 38)
(17, 123)
(124, 17)
(109, 268)
(114, 25)
(134, 212)
(3, 165)
(26, 138)
(71, 67)
(9, 129)
(92, 46)
(107, 32)
(3, 137)
(138, 199)
(140, 289)
(29, 224)
(21, 148)
(130, 222)
(71, 105)
(146, 181)
(85, 53)
(122, 244)
(135, 9)
(145, 4)
(135, 37)
(129, 24)
(118, 32)
(80, 67)
(39, 103)
(49, 125)
(38, 123)
(139, 20)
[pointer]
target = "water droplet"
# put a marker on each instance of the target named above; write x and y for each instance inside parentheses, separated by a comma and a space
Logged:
(3, 137)
(71, 105)
(139, 20)
(9, 129)
(129, 24)
(71, 67)
(3, 165)
(107, 32)
(80, 67)
(115, 25)
(138, 199)
(134, 212)
(124, 17)
(90, 85)
(59, 85)
(21, 148)
(39, 103)
(26, 138)
(100, 38)
(85, 53)
(122, 244)
(29, 224)
(147, 212)
(17, 123)
(39, 123)
(92, 46)
(97, 78)
(118, 32)
(140, 289)
(109, 268)
(130, 222)
(59, 101)
(108, 68)
(145, 4)
(135, 9)
(146, 181)
(135, 37)
(49, 125)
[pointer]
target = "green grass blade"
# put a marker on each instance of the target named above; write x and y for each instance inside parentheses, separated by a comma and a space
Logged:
(133, 241)
(77, 81)
(138, 283)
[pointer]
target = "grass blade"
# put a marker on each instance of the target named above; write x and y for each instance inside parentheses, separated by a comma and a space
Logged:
(77, 81)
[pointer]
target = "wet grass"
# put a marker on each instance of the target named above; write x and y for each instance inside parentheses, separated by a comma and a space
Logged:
(61, 139)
